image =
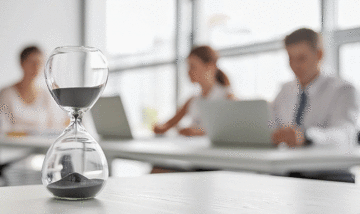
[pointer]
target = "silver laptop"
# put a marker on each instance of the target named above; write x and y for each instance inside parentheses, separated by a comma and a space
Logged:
(237, 123)
(110, 119)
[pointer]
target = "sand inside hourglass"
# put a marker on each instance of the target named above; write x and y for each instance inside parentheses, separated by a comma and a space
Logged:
(76, 186)
(81, 97)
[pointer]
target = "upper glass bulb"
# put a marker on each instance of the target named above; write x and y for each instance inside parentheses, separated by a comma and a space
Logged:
(76, 77)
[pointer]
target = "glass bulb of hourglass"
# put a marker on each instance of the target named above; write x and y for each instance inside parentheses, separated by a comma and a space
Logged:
(75, 166)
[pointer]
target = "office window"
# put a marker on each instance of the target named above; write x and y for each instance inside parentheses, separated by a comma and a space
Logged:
(229, 23)
(348, 14)
(141, 37)
(350, 63)
(148, 95)
(257, 76)
(186, 88)
(140, 31)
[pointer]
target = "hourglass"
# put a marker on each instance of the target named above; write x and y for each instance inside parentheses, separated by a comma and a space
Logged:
(75, 166)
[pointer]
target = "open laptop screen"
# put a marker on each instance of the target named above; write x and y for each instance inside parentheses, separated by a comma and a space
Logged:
(236, 122)
(110, 118)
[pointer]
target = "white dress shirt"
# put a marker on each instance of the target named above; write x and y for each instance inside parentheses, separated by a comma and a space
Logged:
(330, 114)
(41, 115)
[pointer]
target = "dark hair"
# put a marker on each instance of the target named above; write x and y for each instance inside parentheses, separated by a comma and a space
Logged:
(303, 35)
(27, 51)
(208, 55)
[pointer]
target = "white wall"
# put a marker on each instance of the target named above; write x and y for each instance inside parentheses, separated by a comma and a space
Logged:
(95, 24)
(48, 24)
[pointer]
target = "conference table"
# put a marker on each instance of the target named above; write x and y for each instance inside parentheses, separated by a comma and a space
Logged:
(197, 153)
(195, 192)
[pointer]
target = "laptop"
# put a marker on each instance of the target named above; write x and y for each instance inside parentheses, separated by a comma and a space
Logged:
(110, 119)
(237, 123)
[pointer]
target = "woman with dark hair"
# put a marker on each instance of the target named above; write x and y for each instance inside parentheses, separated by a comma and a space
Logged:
(214, 84)
(26, 107)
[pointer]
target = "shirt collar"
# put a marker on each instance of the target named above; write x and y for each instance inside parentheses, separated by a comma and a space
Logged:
(313, 86)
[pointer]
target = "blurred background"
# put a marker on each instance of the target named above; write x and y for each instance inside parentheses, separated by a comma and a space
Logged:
(147, 42)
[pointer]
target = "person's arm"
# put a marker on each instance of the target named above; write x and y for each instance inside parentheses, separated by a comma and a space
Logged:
(192, 132)
(160, 129)
(341, 131)
(6, 116)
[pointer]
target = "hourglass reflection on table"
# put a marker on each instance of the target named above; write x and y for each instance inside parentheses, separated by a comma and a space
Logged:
(75, 166)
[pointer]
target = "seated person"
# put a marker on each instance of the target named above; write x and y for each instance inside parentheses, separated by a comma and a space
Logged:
(313, 109)
(214, 84)
(27, 108)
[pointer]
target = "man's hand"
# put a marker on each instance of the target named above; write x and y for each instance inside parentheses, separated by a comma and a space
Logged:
(291, 135)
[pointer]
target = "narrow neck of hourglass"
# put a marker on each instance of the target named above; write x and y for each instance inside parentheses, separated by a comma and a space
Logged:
(76, 116)
(76, 121)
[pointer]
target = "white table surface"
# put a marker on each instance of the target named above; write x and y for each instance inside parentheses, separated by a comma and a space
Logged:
(198, 153)
(206, 192)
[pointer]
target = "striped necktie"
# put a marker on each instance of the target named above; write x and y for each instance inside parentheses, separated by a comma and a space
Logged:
(300, 111)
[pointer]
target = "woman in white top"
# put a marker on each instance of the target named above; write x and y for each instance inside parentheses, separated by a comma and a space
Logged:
(214, 84)
(26, 107)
